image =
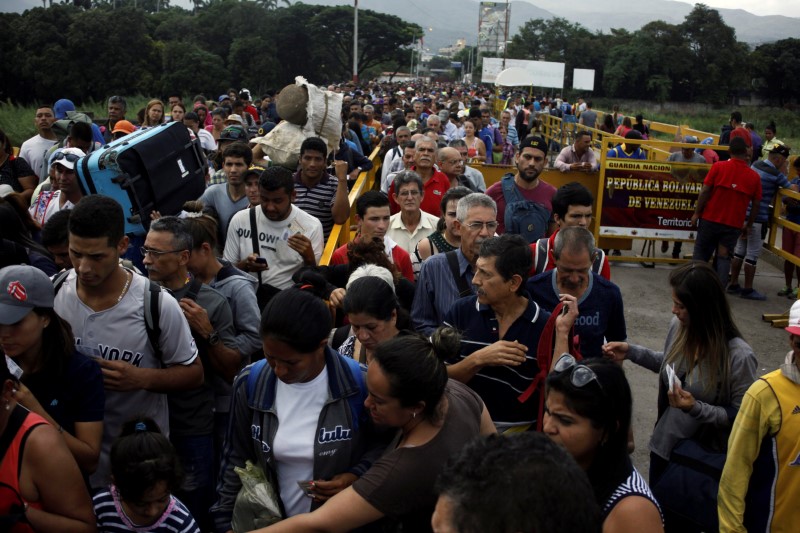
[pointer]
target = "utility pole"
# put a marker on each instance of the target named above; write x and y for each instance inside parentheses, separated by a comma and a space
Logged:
(505, 37)
(355, 43)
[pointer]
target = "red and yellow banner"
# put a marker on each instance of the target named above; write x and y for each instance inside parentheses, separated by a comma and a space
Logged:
(652, 199)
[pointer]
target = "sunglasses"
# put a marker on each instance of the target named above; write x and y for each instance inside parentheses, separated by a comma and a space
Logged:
(580, 375)
(72, 158)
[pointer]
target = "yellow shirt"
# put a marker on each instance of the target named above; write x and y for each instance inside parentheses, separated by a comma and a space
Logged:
(768, 428)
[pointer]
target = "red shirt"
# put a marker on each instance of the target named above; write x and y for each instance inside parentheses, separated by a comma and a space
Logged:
(541, 194)
(433, 191)
(734, 184)
(400, 258)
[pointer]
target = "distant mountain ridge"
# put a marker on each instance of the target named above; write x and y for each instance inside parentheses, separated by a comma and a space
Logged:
(458, 19)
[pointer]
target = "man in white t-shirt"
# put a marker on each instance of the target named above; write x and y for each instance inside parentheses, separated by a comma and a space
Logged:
(34, 149)
(287, 237)
(105, 306)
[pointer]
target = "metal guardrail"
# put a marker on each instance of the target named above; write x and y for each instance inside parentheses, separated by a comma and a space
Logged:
(340, 234)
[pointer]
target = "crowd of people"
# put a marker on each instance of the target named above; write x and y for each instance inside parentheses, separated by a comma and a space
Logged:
(455, 367)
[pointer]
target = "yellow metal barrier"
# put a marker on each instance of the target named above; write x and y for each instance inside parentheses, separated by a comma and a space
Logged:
(780, 320)
(340, 234)
(779, 221)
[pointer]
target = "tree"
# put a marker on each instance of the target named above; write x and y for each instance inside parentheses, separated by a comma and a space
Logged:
(717, 58)
(192, 70)
(324, 49)
(111, 52)
(560, 41)
(775, 69)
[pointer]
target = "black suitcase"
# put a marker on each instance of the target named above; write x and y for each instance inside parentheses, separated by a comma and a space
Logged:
(157, 169)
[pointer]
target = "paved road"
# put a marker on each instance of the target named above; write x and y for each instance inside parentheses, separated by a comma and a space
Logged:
(648, 305)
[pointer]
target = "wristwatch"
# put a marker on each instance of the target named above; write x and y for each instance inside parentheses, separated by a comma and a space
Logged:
(213, 338)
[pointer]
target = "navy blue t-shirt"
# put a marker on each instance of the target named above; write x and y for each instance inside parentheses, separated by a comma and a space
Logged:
(75, 396)
(601, 313)
(500, 386)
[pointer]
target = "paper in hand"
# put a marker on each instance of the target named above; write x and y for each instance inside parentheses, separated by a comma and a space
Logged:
(672, 378)
(14, 368)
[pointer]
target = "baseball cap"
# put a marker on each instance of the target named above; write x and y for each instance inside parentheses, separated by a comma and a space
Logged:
(533, 141)
(690, 139)
(223, 97)
(22, 288)
(265, 128)
(67, 157)
(123, 126)
(61, 107)
(780, 149)
(254, 169)
(634, 134)
(794, 319)
(233, 133)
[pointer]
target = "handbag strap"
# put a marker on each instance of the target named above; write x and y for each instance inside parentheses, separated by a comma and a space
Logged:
(544, 358)
(254, 237)
(462, 285)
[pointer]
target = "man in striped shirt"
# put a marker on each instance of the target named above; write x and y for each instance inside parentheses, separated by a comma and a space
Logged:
(318, 193)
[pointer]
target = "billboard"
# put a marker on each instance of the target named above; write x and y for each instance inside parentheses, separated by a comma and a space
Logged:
(545, 73)
(650, 199)
(583, 79)
(492, 22)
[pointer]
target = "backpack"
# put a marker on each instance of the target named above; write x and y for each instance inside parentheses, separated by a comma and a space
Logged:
(152, 309)
(543, 250)
(61, 127)
(522, 216)
(356, 402)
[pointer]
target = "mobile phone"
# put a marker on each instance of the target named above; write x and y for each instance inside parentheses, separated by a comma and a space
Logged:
(261, 260)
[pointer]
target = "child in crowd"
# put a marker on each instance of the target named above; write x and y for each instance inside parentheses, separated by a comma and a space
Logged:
(144, 470)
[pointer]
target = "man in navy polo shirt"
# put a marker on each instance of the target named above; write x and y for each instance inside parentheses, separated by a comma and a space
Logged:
(599, 300)
(501, 327)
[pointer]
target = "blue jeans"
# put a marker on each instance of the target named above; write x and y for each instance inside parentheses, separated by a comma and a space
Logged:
(197, 492)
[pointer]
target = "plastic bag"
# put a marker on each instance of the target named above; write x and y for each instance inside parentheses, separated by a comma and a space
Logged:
(257, 504)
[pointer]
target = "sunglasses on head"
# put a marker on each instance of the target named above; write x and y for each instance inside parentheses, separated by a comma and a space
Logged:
(580, 375)
(72, 158)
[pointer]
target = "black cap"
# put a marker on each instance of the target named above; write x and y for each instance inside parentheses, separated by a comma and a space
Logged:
(533, 141)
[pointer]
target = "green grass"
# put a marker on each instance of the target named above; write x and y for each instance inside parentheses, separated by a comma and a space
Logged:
(17, 121)
(710, 119)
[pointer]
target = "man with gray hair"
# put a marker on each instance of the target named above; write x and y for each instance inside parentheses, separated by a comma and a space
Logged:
(472, 174)
(411, 224)
(452, 165)
(446, 277)
(600, 301)
(435, 123)
(401, 135)
(196, 416)
(434, 182)
(116, 112)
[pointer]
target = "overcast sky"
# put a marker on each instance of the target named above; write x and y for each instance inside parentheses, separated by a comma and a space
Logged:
(789, 8)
